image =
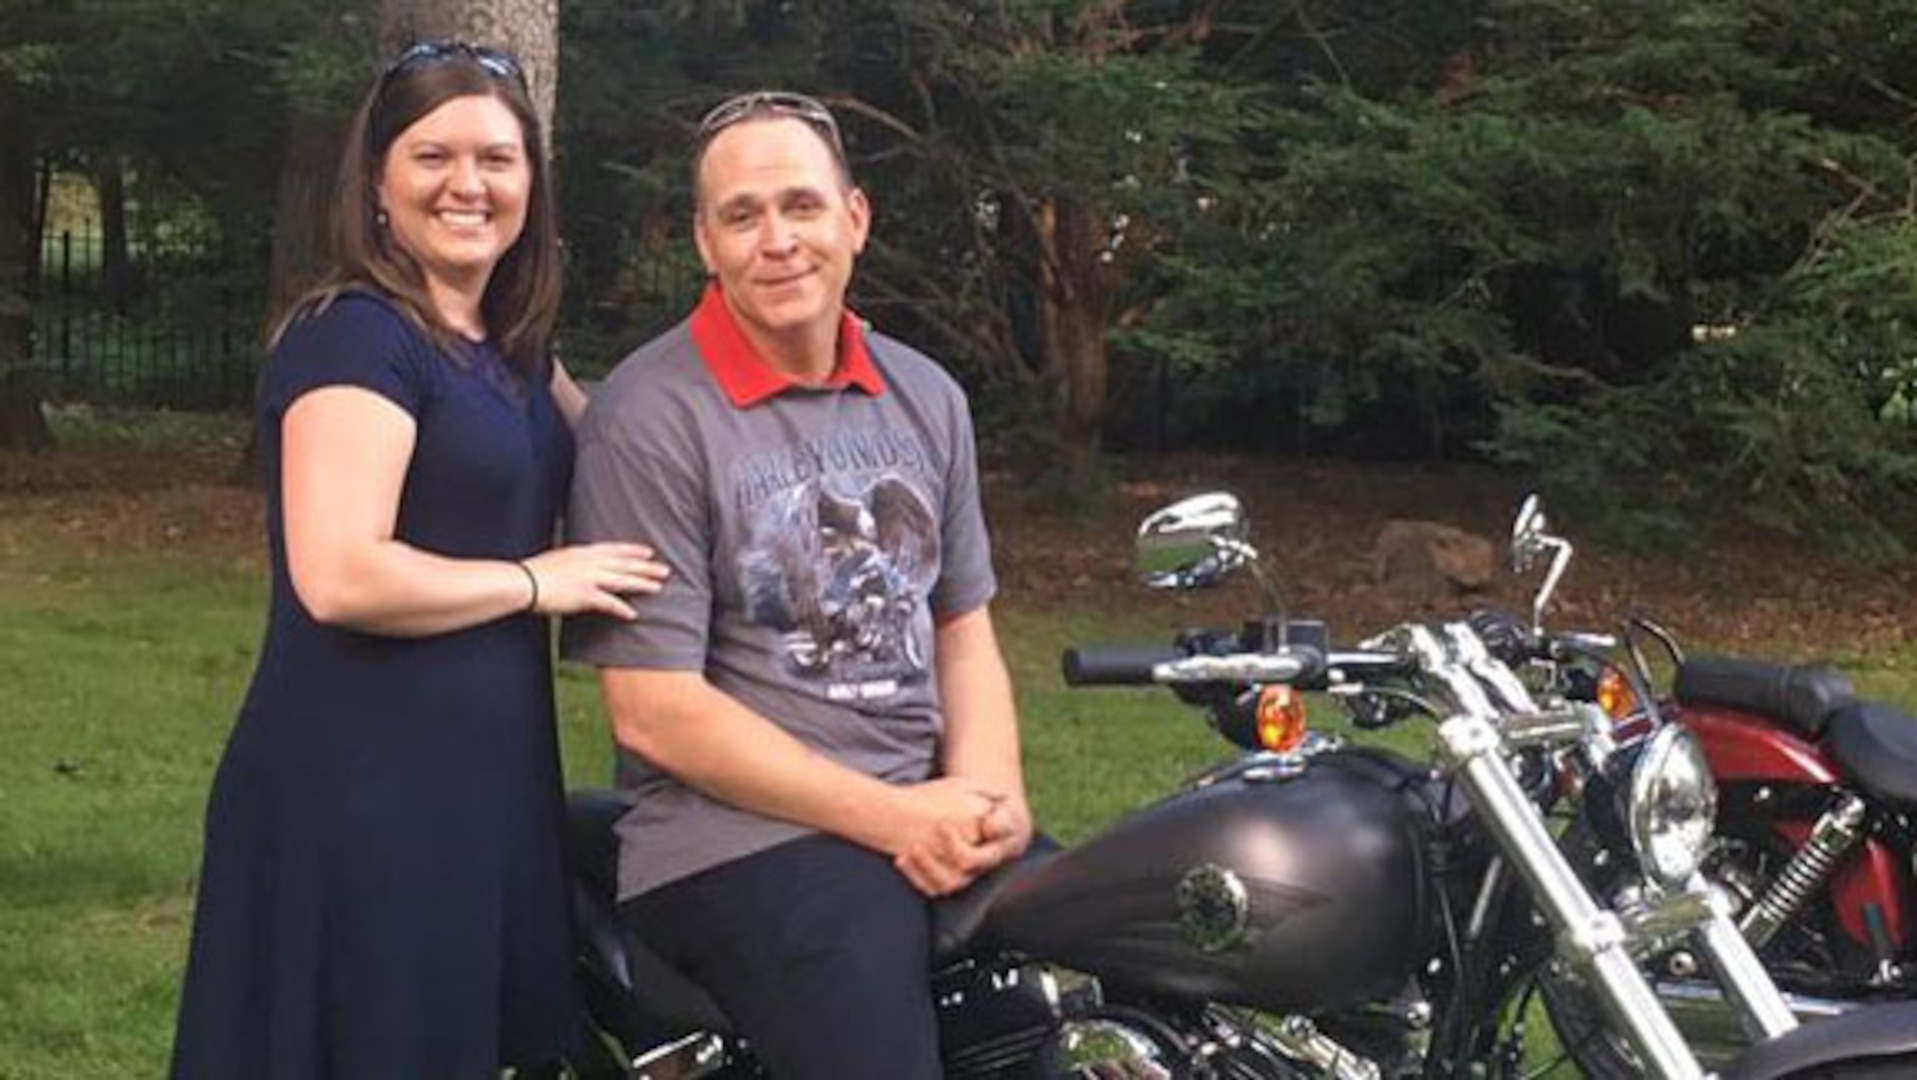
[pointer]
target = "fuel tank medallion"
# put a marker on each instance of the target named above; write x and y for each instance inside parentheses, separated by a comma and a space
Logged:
(1213, 908)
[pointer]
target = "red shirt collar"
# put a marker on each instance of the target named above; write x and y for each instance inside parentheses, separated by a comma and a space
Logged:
(747, 379)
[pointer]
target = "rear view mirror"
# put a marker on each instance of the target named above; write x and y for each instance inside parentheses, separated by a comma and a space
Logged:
(1527, 528)
(1194, 542)
(1532, 540)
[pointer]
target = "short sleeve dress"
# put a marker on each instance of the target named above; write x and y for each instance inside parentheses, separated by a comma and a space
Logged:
(383, 890)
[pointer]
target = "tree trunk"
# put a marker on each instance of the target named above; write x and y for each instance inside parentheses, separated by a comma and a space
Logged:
(22, 425)
(37, 227)
(1075, 309)
(529, 29)
(116, 267)
(309, 163)
(308, 168)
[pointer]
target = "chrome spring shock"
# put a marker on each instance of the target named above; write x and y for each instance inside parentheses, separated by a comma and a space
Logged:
(1838, 831)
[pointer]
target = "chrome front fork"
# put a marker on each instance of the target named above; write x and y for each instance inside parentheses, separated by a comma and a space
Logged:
(1597, 940)
(1588, 935)
(1703, 912)
(1758, 1000)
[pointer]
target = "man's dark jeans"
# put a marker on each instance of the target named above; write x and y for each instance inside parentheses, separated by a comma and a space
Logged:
(817, 950)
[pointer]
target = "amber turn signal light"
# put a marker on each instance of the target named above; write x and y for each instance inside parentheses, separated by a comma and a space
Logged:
(1614, 694)
(1281, 718)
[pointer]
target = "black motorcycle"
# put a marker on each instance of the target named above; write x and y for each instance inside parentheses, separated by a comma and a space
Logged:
(1319, 911)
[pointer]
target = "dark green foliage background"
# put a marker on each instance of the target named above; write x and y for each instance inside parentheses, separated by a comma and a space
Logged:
(1658, 254)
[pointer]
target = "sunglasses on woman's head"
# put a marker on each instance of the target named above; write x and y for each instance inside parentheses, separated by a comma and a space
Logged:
(499, 63)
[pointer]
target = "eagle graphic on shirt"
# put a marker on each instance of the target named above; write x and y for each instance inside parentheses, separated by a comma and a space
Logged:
(841, 566)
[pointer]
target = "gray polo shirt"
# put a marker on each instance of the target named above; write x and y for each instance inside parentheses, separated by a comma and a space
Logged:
(814, 537)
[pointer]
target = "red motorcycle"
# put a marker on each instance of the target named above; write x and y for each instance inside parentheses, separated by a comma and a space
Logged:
(1816, 838)
(1816, 789)
(1816, 823)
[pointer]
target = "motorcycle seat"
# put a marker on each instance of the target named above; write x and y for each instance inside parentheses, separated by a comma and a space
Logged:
(957, 919)
(1877, 747)
(632, 993)
(592, 849)
(1803, 697)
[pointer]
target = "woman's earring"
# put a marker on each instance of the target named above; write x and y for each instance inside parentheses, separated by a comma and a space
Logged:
(379, 218)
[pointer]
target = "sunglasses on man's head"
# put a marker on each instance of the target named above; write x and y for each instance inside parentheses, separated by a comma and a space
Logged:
(427, 53)
(770, 103)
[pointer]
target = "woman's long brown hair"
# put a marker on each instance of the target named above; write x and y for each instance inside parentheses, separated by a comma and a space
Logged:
(521, 302)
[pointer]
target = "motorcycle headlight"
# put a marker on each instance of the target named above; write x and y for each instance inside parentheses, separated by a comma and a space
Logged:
(1672, 808)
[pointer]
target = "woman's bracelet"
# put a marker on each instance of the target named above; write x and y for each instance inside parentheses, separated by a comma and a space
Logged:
(532, 602)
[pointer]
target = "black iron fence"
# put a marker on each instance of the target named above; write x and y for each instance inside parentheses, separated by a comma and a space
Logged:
(170, 322)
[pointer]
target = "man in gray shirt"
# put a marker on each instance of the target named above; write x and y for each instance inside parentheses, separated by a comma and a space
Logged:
(813, 715)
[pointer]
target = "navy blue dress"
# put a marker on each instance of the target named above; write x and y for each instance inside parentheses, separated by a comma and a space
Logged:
(383, 890)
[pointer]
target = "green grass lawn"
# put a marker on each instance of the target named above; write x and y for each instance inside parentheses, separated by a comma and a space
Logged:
(122, 673)
(121, 678)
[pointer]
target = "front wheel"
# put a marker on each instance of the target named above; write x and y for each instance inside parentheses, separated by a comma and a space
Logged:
(1584, 1036)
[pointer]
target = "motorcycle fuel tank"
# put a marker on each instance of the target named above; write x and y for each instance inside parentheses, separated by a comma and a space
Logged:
(1297, 893)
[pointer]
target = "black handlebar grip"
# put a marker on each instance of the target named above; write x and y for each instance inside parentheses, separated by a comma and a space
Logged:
(1505, 634)
(1115, 665)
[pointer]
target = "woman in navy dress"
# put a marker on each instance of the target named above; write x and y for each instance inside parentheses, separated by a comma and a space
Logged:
(383, 893)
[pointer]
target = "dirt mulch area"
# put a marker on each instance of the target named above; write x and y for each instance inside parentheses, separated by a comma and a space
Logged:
(111, 500)
(1317, 524)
